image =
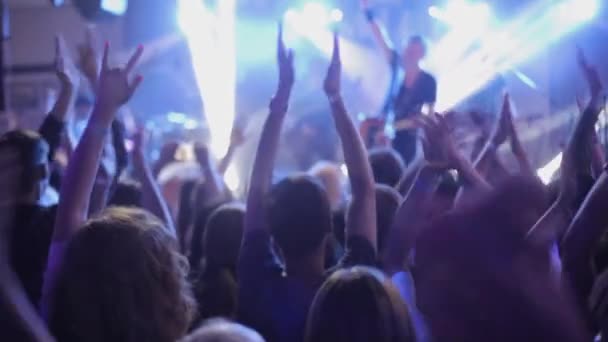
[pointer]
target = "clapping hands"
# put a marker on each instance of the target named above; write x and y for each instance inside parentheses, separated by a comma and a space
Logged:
(439, 148)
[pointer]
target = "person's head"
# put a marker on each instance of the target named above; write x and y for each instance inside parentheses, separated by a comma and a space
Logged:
(197, 247)
(299, 216)
(24, 153)
(358, 304)
(216, 288)
(331, 177)
(387, 203)
(219, 330)
(223, 235)
(387, 166)
(126, 194)
(414, 51)
(122, 279)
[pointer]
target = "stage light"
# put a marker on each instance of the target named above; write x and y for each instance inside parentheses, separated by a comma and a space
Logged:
(336, 15)
(96, 9)
(577, 11)
(434, 12)
(211, 40)
(505, 47)
(116, 7)
(290, 16)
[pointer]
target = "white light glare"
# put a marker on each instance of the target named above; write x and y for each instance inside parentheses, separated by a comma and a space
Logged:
(336, 15)
(546, 172)
(116, 7)
(577, 11)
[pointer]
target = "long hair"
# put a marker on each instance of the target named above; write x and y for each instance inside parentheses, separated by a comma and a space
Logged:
(122, 280)
(358, 304)
(216, 287)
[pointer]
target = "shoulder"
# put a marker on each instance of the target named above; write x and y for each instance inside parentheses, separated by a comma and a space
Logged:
(428, 78)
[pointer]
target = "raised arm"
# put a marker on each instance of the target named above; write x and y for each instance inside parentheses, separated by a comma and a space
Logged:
(361, 219)
(115, 89)
(237, 138)
(69, 80)
(152, 200)
(214, 186)
(580, 146)
(517, 148)
(380, 36)
(440, 155)
(261, 175)
(584, 233)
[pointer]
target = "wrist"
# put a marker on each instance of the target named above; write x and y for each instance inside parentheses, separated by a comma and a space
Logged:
(279, 103)
(334, 97)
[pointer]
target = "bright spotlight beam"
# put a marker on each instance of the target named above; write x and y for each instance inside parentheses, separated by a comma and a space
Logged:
(539, 26)
(211, 40)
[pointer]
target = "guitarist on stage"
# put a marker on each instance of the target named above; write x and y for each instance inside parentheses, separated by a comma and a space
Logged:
(411, 87)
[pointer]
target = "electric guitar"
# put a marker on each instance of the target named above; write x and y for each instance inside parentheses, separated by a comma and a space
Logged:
(372, 129)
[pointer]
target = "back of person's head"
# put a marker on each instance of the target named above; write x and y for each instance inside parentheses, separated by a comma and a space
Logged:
(387, 203)
(387, 166)
(331, 177)
(299, 215)
(122, 280)
(358, 304)
(197, 247)
(26, 153)
(499, 285)
(224, 234)
(219, 330)
(126, 194)
(215, 288)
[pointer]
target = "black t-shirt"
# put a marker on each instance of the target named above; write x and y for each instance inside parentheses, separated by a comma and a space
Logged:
(29, 246)
(409, 101)
(30, 241)
(275, 304)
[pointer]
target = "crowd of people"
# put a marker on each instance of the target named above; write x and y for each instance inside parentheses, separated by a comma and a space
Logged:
(443, 247)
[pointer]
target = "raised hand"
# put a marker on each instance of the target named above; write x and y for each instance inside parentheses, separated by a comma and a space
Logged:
(439, 148)
(285, 63)
(115, 86)
(334, 72)
(64, 65)
(89, 58)
(591, 75)
(503, 128)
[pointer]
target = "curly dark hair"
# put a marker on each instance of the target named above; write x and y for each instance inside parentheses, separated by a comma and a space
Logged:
(122, 280)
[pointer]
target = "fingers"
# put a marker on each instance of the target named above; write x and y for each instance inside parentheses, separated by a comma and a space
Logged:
(57, 46)
(134, 59)
(135, 84)
(89, 38)
(104, 60)
(281, 54)
(336, 59)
